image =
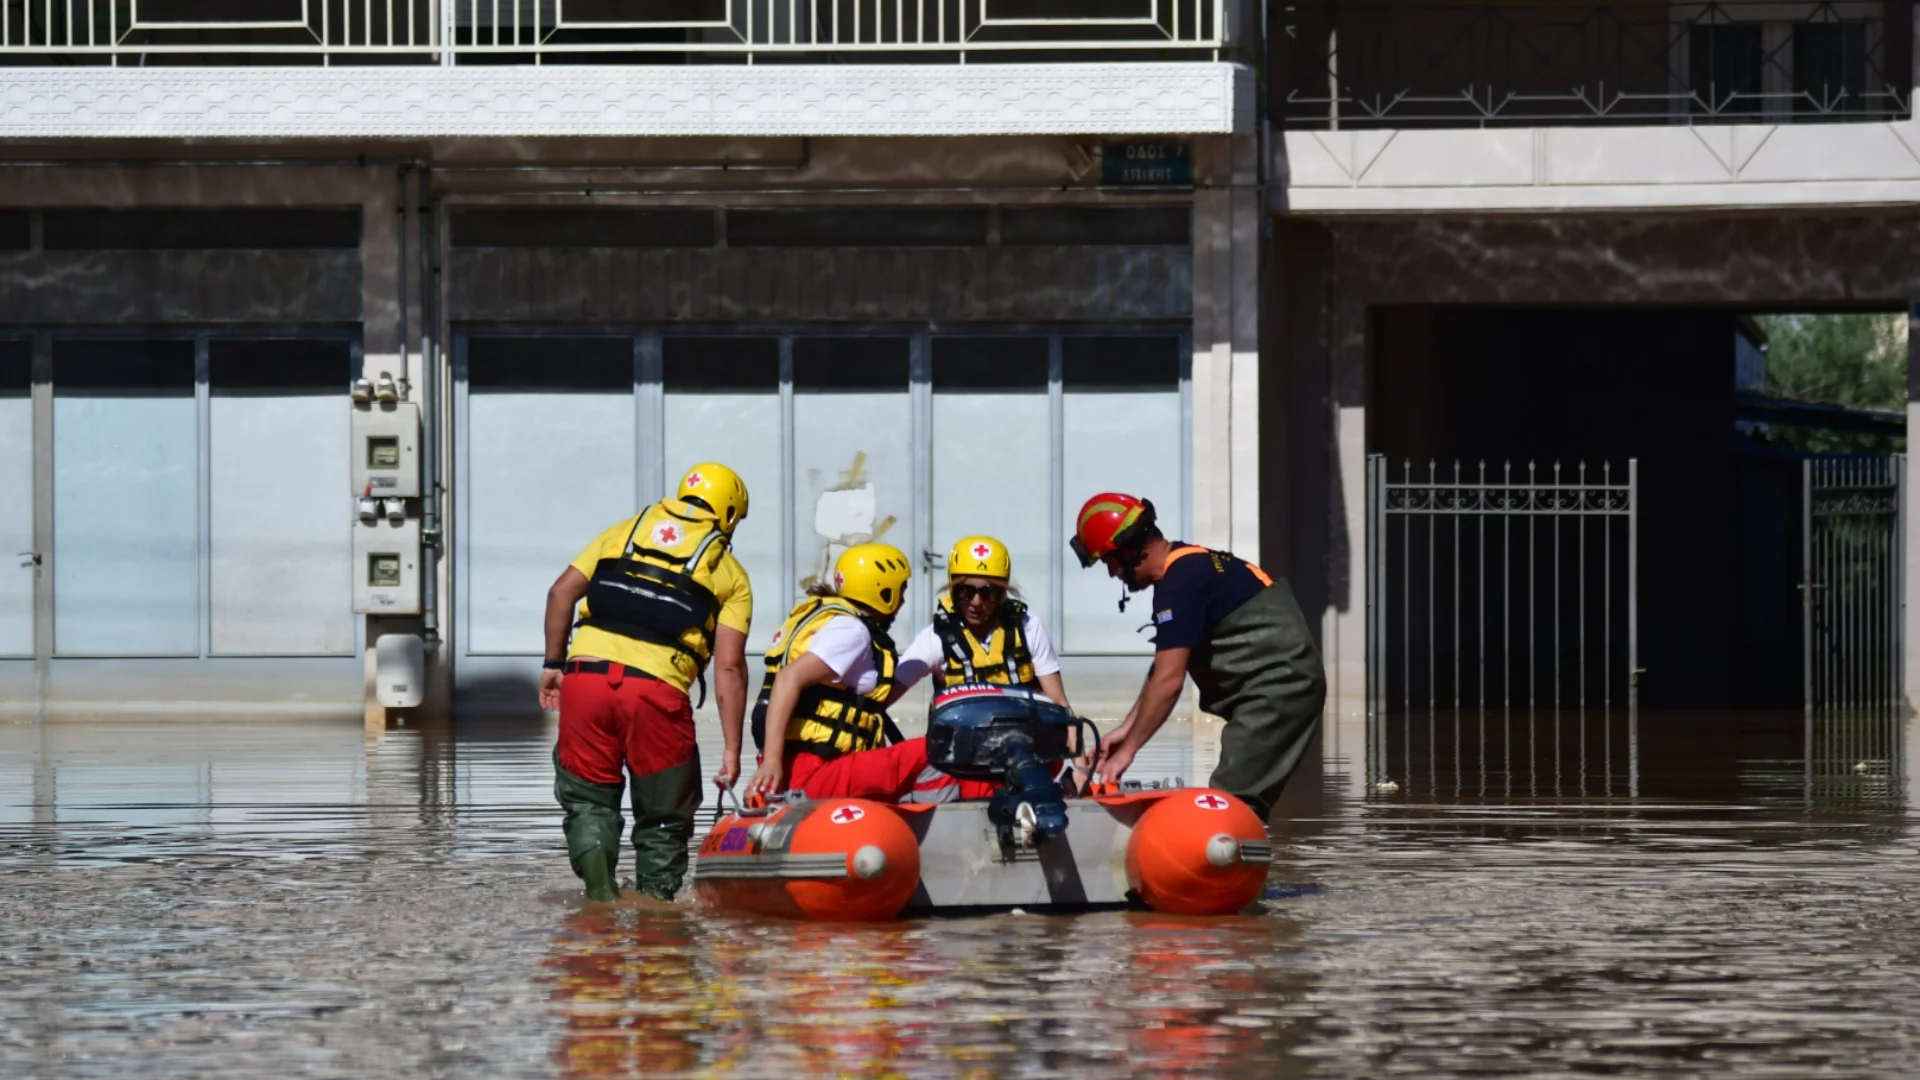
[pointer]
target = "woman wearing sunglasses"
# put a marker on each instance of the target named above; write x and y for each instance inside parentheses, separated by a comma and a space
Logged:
(981, 633)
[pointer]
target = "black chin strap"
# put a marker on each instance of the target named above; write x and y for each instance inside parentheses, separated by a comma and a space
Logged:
(1131, 557)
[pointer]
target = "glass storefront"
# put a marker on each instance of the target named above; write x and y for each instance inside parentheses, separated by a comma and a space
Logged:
(200, 497)
(912, 437)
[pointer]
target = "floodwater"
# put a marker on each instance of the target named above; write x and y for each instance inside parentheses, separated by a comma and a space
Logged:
(299, 899)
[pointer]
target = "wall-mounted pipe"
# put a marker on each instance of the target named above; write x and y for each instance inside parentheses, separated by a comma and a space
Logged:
(430, 361)
(400, 250)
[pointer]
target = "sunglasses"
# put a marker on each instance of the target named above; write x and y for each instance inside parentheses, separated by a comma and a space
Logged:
(992, 594)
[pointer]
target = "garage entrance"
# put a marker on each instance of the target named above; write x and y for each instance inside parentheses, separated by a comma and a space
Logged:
(1597, 482)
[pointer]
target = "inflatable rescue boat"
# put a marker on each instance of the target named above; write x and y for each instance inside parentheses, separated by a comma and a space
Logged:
(1171, 848)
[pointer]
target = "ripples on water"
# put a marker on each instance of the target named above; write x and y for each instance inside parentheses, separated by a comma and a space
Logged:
(298, 899)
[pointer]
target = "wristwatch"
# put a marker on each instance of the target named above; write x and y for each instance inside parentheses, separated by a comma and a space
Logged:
(553, 665)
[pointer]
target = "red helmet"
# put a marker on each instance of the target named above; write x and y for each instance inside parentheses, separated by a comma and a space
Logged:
(1107, 522)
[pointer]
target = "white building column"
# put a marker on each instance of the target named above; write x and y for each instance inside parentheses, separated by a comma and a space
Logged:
(1225, 456)
(1343, 632)
(1910, 610)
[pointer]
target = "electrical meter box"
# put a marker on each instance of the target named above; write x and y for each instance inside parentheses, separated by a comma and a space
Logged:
(386, 450)
(386, 567)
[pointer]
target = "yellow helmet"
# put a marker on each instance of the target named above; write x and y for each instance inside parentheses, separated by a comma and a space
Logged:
(979, 555)
(873, 574)
(719, 489)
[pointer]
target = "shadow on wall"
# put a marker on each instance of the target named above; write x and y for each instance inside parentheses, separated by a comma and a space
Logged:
(503, 707)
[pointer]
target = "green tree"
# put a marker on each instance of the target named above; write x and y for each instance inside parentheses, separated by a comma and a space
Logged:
(1856, 360)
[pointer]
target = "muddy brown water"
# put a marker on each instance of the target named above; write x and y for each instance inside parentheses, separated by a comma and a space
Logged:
(299, 899)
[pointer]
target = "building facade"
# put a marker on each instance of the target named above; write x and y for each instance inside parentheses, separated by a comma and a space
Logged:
(915, 272)
(1524, 233)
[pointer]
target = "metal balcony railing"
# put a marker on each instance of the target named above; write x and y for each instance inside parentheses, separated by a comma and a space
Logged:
(449, 32)
(1435, 64)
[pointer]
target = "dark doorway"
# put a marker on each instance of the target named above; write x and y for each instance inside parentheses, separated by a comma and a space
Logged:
(1718, 609)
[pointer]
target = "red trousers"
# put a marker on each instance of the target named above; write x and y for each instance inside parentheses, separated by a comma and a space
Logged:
(894, 773)
(622, 718)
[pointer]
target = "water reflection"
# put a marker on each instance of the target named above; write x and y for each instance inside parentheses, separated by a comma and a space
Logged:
(235, 899)
(646, 991)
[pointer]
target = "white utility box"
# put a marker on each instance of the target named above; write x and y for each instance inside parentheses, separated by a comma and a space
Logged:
(400, 670)
(386, 567)
(386, 450)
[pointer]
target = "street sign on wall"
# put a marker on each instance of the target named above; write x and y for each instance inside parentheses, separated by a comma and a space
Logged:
(1146, 164)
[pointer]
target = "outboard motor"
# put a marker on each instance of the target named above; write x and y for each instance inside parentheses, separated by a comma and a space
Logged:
(1016, 737)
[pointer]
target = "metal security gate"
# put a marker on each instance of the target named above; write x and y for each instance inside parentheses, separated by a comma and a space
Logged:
(1502, 617)
(1853, 585)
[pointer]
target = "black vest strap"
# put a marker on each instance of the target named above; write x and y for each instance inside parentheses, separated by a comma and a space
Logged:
(1014, 653)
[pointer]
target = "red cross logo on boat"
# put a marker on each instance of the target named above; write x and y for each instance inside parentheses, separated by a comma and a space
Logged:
(1210, 801)
(694, 479)
(846, 814)
(981, 551)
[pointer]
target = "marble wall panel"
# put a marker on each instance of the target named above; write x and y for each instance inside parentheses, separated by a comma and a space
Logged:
(820, 285)
(123, 288)
(1765, 260)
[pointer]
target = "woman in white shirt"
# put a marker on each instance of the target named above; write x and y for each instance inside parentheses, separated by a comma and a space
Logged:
(981, 633)
(821, 719)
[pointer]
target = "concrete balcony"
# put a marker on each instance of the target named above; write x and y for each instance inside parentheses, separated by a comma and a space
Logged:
(425, 68)
(1426, 106)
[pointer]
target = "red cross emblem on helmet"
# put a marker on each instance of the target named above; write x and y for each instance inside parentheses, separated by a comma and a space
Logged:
(694, 479)
(981, 551)
(1210, 801)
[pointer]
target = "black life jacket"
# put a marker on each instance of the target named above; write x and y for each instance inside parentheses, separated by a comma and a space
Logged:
(659, 589)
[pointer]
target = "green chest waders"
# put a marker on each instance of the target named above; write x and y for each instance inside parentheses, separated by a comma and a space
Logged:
(1259, 670)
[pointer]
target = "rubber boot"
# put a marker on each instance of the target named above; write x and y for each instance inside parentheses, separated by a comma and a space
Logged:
(596, 869)
(592, 825)
(663, 807)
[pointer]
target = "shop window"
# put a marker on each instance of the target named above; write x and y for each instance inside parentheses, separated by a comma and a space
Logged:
(1121, 417)
(993, 455)
(550, 462)
(278, 482)
(852, 448)
(723, 404)
(16, 498)
(126, 536)
(841, 438)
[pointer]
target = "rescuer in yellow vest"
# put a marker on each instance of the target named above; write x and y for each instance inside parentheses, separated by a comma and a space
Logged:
(821, 720)
(981, 632)
(664, 598)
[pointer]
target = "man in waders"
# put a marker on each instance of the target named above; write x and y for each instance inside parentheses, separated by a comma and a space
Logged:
(1222, 620)
(664, 598)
